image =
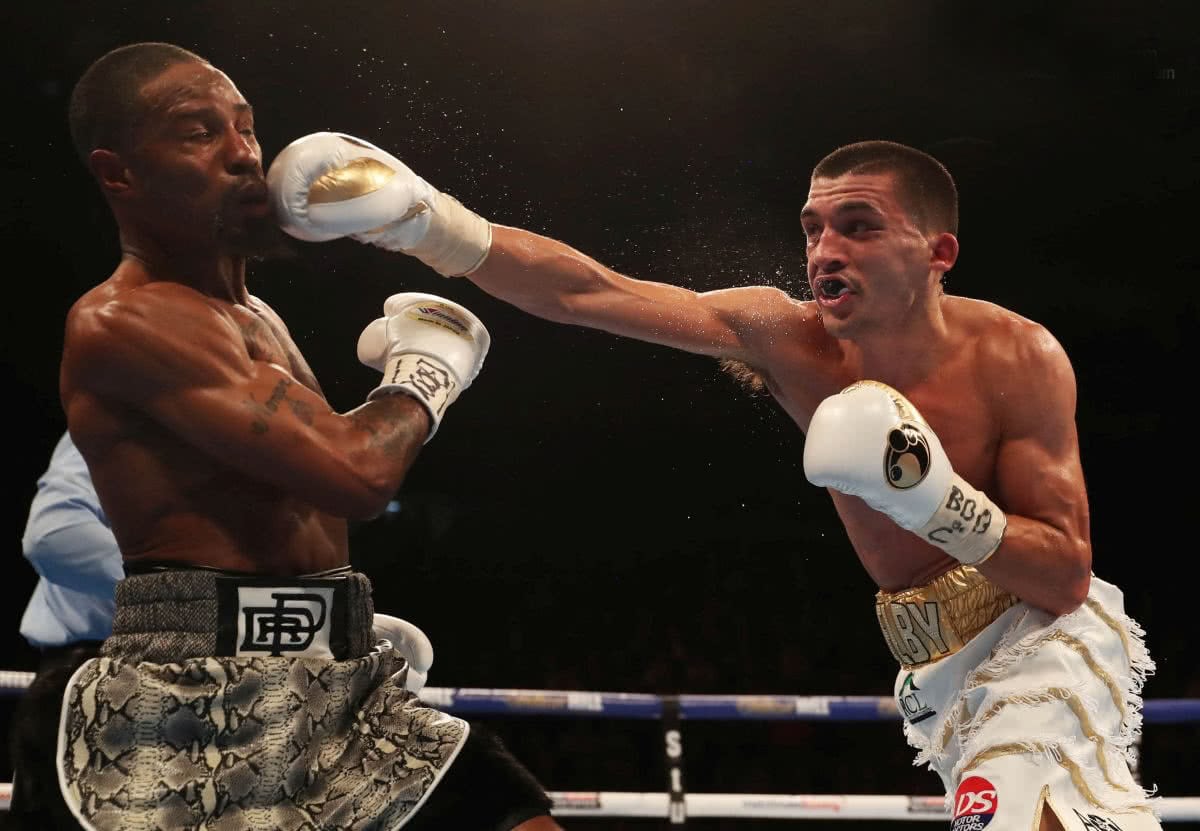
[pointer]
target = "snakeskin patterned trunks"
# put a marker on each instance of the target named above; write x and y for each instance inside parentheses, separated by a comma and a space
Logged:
(227, 702)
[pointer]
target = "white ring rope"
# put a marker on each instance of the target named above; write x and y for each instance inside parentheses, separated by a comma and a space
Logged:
(796, 806)
(771, 806)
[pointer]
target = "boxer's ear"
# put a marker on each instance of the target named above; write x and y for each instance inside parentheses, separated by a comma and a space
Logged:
(943, 253)
(110, 171)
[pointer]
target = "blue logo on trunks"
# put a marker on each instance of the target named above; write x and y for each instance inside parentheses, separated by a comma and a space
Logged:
(911, 704)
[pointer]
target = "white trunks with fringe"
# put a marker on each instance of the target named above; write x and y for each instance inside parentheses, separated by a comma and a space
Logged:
(1018, 710)
(201, 715)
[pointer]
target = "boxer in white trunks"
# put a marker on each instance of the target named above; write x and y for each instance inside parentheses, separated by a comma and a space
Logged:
(943, 427)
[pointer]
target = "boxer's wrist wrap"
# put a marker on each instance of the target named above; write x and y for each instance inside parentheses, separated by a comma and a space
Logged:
(424, 378)
(458, 239)
(967, 525)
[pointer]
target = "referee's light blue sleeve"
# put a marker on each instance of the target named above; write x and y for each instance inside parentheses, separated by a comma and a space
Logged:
(67, 537)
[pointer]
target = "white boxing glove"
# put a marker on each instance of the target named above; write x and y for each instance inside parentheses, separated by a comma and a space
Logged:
(869, 441)
(427, 347)
(411, 643)
(329, 185)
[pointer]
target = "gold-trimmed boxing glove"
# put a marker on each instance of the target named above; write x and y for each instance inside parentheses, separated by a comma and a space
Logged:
(329, 185)
(869, 441)
(427, 347)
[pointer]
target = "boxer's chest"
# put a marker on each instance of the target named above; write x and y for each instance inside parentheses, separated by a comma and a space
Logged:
(267, 341)
(961, 414)
(954, 400)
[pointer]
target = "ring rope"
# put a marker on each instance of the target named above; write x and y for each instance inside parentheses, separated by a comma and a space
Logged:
(796, 806)
(583, 703)
(480, 701)
(770, 806)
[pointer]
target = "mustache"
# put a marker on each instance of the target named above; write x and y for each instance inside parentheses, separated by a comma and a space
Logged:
(249, 189)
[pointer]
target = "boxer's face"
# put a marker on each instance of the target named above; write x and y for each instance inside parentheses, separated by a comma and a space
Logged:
(196, 167)
(868, 262)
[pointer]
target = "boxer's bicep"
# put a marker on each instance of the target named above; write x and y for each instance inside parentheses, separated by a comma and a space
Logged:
(200, 384)
(1039, 474)
(274, 429)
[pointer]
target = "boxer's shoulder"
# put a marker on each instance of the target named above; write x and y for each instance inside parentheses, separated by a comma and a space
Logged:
(767, 315)
(118, 336)
(264, 310)
(115, 304)
(999, 338)
(982, 318)
(1022, 368)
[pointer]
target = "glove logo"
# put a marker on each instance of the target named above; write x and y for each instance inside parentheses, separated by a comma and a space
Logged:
(429, 379)
(439, 315)
(906, 462)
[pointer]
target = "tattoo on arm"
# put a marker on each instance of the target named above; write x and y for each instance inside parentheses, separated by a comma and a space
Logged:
(387, 422)
(278, 394)
(300, 409)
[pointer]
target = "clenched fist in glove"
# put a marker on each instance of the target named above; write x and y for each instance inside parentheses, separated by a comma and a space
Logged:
(427, 347)
(869, 441)
(329, 185)
(411, 643)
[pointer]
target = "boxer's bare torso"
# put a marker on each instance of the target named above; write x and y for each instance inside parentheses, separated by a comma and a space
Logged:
(170, 500)
(969, 396)
(208, 438)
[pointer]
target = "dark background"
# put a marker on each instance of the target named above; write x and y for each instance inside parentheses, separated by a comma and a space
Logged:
(609, 515)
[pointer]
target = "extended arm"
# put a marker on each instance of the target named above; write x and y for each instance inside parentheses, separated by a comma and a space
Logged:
(328, 185)
(551, 280)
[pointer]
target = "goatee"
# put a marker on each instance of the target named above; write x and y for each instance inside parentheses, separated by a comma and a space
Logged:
(258, 238)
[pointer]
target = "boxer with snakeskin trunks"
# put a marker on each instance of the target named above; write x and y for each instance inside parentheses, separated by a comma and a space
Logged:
(247, 682)
(942, 426)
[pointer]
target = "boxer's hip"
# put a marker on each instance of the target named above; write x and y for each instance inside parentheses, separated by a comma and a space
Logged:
(164, 615)
(927, 623)
(1031, 690)
(258, 702)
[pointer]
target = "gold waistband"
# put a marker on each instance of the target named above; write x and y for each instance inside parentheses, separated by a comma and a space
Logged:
(926, 623)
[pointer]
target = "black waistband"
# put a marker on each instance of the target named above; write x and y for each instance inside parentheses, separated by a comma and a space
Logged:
(59, 651)
(169, 613)
(159, 566)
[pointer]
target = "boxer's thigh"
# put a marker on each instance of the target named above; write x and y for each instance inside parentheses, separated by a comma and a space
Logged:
(486, 788)
(1016, 791)
(37, 802)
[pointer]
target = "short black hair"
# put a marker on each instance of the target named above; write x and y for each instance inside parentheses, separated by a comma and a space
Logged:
(924, 185)
(106, 105)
